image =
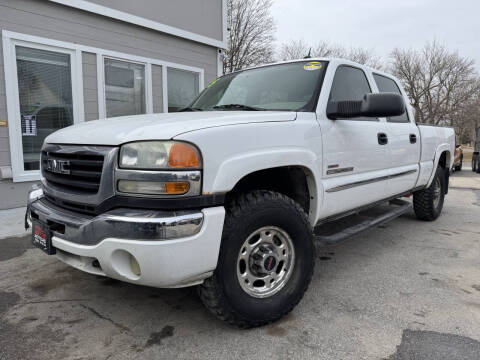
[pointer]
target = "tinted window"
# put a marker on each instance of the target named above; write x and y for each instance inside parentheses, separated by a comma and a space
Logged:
(385, 84)
(350, 83)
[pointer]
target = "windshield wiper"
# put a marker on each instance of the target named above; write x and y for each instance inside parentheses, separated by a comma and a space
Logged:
(237, 107)
(189, 109)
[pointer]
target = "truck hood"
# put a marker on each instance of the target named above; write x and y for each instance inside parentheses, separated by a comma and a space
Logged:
(116, 131)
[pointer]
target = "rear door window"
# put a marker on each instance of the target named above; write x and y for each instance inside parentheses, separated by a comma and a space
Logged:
(386, 84)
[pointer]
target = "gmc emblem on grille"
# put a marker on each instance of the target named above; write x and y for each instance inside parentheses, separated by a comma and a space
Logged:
(57, 166)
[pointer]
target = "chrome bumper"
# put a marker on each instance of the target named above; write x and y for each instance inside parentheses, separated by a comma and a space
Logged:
(122, 223)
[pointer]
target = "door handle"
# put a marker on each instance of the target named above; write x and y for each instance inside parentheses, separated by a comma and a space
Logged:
(413, 138)
(382, 138)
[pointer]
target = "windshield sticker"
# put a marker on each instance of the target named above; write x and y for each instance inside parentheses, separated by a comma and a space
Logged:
(313, 65)
(213, 82)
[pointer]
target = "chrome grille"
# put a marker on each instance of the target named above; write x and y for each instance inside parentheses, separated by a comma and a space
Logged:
(78, 171)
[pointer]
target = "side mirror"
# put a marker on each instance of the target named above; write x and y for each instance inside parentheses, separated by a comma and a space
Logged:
(372, 105)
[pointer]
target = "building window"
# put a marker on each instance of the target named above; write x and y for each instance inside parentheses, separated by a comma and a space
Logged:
(45, 98)
(124, 88)
(44, 91)
(183, 87)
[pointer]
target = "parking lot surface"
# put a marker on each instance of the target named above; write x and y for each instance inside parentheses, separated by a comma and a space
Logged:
(404, 290)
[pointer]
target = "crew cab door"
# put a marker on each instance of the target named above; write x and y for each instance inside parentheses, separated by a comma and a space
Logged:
(355, 158)
(403, 144)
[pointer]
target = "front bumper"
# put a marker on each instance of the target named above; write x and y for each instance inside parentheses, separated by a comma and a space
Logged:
(153, 248)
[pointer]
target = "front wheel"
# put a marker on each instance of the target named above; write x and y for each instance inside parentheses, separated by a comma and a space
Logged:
(265, 263)
(428, 203)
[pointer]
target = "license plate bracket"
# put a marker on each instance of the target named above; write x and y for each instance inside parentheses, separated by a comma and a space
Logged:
(42, 237)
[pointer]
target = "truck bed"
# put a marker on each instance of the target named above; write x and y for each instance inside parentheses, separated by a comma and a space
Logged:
(432, 137)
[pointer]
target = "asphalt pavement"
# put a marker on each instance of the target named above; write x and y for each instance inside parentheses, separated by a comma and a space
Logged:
(404, 290)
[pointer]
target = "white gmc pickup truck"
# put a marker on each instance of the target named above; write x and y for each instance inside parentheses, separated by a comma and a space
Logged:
(226, 193)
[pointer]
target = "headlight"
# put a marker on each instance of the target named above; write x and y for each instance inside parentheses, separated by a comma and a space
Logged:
(159, 168)
(154, 155)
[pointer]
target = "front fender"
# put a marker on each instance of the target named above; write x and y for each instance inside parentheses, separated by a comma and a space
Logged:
(233, 169)
(233, 152)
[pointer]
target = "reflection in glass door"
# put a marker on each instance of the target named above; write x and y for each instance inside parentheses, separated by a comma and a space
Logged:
(124, 88)
(45, 98)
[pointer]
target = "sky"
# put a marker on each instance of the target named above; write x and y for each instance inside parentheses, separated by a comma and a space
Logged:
(381, 25)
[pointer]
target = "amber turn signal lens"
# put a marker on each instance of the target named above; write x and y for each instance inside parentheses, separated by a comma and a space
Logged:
(183, 156)
(176, 187)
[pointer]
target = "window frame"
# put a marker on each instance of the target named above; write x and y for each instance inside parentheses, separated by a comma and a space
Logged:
(369, 86)
(19, 174)
(9, 38)
(374, 73)
(148, 62)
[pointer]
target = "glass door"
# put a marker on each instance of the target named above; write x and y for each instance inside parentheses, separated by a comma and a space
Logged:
(44, 97)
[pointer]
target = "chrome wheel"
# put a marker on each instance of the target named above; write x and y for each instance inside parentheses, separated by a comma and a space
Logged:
(265, 262)
(437, 192)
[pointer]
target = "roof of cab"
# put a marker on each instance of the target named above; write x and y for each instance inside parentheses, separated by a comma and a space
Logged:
(330, 60)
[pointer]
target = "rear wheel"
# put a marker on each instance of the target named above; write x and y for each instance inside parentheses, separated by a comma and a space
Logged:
(265, 263)
(428, 203)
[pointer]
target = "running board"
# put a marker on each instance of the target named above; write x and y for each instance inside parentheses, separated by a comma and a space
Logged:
(402, 207)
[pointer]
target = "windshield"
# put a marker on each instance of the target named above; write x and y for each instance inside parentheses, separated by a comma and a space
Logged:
(283, 87)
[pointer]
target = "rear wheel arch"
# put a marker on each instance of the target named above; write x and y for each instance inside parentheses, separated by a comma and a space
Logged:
(428, 202)
(443, 159)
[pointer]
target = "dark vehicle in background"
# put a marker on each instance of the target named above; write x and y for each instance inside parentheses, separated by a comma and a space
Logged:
(476, 154)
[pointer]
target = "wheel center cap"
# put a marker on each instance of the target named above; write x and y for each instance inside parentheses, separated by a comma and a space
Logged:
(269, 263)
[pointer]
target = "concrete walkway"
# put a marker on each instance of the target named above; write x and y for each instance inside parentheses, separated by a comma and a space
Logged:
(12, 223)
(465, 179)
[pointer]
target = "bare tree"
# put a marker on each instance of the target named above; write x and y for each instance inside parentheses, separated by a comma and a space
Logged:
(298, 49)
(251, 34)
(467, 121)
(364, 56)
(439, 83)
(326, 49)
